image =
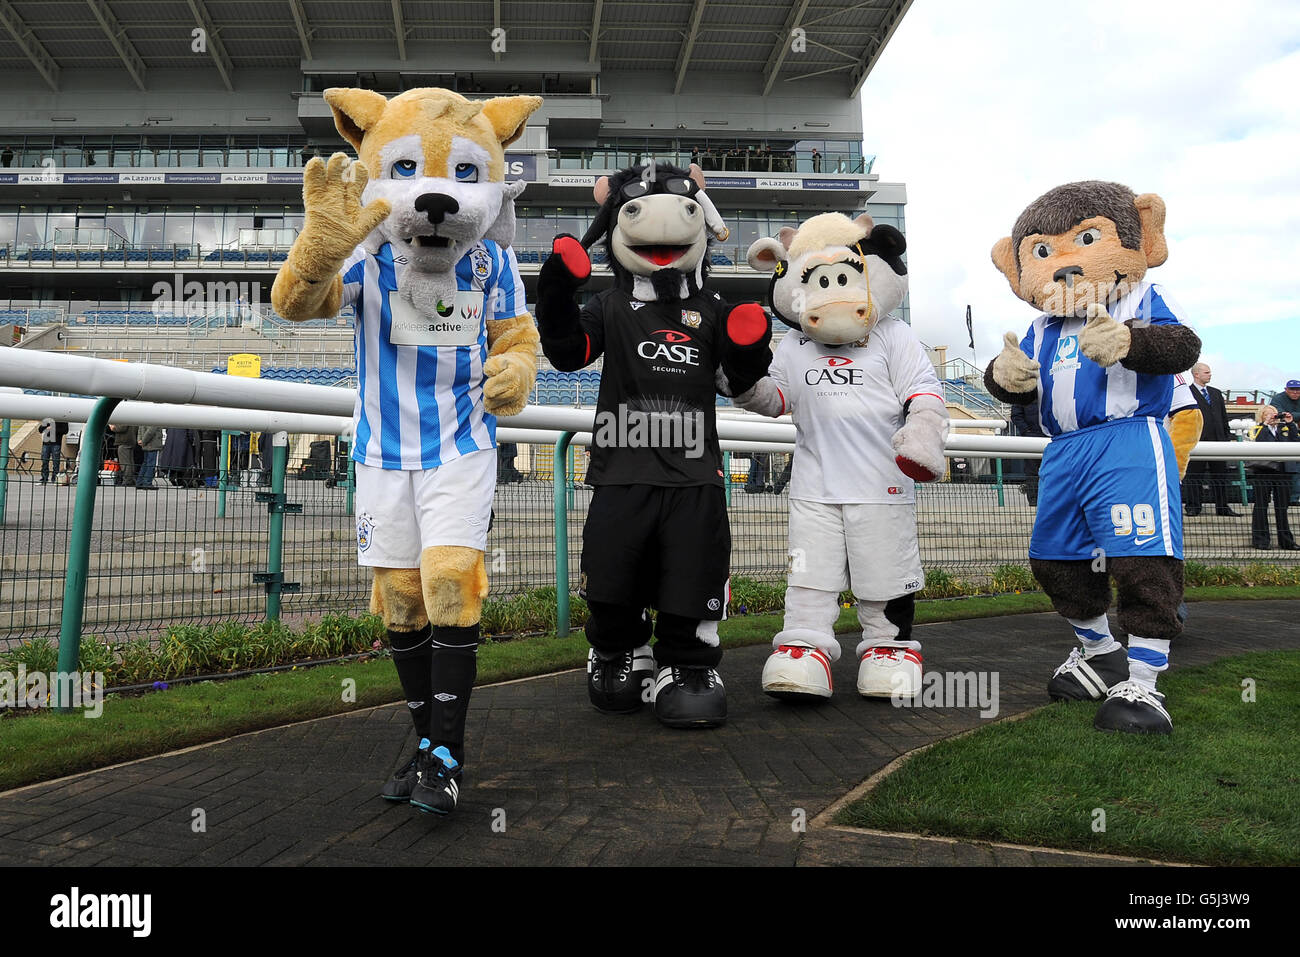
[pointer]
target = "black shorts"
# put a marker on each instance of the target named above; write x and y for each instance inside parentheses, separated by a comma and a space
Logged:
(668, 548)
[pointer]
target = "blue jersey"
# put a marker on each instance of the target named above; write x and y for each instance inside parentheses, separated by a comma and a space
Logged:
(420, 405)
(1075, 392)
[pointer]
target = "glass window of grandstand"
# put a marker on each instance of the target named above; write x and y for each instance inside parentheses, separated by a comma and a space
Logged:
(205, 230)
(721, 154)
(165, 150)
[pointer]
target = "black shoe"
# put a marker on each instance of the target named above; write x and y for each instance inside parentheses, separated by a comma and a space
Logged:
(1261, 547)
(399, 786)
(1290, 547)
(1227, 511)
(438, 776)
(1088, 679)
(1190, 512)
(754, 489)
(618, 685)
(687, 697)
(1131, 708)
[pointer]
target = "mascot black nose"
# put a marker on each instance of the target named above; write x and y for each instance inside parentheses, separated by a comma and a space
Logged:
(436, 206)
(1057, 276)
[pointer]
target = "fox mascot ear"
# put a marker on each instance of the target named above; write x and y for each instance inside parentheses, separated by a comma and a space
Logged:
(355, 111)
(508, 114)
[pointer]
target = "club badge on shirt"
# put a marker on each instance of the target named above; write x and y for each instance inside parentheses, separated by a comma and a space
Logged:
(691, 318)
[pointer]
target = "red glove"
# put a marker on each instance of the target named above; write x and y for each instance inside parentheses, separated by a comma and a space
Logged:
(747, 324)
(913, 470)
(573, 256)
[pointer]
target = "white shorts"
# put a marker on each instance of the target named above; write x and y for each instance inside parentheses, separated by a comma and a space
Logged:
(872, 549)
(401, 512)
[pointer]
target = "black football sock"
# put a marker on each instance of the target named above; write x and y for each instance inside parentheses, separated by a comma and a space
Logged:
(455, 666)
(413, 656)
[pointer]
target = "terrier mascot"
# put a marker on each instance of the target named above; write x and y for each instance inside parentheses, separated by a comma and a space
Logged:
(656, 534)
(1102, 358)
(870, 419)
(416, 236)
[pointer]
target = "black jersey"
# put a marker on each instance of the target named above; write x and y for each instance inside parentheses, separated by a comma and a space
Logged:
(655, 422)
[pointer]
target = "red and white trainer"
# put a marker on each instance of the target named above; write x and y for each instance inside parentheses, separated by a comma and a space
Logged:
(798, 672)
(887, 671)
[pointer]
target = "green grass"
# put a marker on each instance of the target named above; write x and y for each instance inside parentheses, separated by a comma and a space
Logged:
(40, 745)
(1223, 789)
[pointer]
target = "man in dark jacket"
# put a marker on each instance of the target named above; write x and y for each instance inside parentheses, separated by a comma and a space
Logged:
(1024, 422)
(1214, 412)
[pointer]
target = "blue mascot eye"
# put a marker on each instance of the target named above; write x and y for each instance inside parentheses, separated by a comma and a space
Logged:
(467, 172)
(404, 168)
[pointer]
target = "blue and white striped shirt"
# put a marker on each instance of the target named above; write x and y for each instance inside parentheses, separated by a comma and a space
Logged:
(1075, 392)
(420, 406)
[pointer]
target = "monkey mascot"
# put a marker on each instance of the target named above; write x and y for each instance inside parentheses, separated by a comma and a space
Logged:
(416, 236)
(1102, 358)
(656, 534)
(870, 420)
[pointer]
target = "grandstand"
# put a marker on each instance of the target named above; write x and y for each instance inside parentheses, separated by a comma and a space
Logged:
(132, 162)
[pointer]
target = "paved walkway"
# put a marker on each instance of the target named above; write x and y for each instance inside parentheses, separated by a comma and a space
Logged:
(556, 783)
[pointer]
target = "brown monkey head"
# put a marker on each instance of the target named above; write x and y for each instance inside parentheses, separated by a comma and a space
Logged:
(1082, 243)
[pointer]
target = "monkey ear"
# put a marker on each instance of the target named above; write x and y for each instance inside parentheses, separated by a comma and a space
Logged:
(1004, 257)
(601, 190)
(1151, 210)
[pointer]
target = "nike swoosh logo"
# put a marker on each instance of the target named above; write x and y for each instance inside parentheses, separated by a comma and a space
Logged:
(1143, 541)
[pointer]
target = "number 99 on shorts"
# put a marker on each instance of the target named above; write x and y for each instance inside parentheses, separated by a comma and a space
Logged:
(1140, 520)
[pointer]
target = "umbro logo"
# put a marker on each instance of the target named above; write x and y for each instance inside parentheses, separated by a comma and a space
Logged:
(636, 304)
(444, 697)
(414, 704)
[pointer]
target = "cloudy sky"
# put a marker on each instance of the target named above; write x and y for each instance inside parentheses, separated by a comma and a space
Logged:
(981, 107)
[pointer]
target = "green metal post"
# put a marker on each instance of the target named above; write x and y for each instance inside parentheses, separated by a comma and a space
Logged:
(275, 547)
(83, 517)
(1241, 477)
(726, 473)
(560, 481)
(1001, 499)
(572, 474)
(4, 467)
(223, 457)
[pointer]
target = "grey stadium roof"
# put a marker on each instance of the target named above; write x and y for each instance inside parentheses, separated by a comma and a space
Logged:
(840, 37)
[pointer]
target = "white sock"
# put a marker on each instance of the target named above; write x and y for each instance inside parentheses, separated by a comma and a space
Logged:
(1095, 635)
(1147, 657)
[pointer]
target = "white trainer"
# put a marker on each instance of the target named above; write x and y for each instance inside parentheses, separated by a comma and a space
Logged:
(798, 672)
(886, 672)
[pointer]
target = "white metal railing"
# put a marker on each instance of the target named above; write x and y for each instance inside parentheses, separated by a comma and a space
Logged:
(178, 389)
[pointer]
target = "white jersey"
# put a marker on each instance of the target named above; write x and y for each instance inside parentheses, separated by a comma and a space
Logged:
(421, 405)
(847, 403)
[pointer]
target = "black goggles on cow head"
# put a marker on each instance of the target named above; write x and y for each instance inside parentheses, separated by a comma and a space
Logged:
(677, 185)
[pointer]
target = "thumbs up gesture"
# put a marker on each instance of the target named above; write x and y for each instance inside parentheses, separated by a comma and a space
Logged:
(1012, 369)
(1104, 340)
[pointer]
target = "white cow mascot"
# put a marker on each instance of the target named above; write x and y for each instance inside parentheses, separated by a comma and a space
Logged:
(869, 418)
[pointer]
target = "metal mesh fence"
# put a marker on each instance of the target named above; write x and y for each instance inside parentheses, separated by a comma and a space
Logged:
(165, 556)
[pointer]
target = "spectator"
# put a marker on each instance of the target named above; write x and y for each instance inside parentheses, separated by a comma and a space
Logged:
(152, 439)
(1024, 422)
(125, 436)
(695, 155)
(1270, 479)
(507, 474)
(1288, 400)
(177, 459)
(7, 157)
(816, 160)
(72, 446)
(1215, 429)
(51, 436)
(760, 464)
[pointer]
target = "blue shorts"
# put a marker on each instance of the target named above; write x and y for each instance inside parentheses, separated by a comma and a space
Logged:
(1112, 487)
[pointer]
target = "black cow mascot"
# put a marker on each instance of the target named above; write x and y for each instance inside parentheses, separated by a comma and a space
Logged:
(656, 535)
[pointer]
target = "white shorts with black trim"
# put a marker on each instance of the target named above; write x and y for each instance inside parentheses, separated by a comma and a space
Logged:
(402, 512)
(871, 548)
